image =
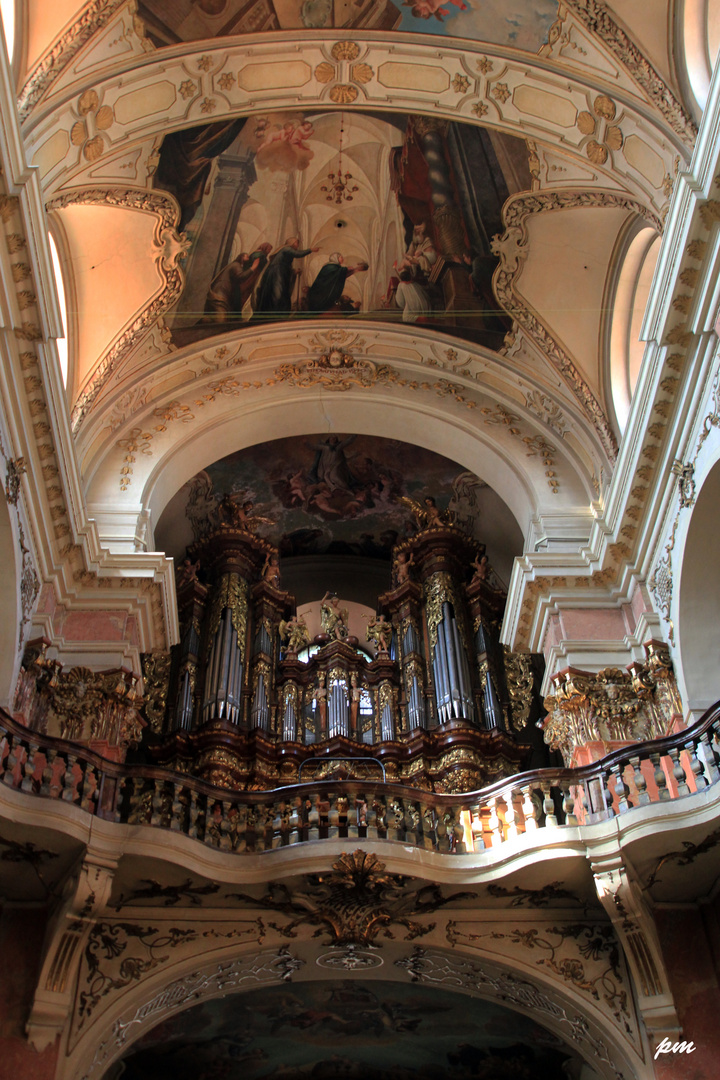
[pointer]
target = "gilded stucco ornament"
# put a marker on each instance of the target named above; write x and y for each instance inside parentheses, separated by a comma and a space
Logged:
(612, 705)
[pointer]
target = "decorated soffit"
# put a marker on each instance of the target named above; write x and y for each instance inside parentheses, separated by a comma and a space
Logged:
(556, 134)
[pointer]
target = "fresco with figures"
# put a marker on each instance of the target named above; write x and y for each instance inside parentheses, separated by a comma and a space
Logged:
(326, 494)
(294, 216)
(521, 24)
(344, 1028)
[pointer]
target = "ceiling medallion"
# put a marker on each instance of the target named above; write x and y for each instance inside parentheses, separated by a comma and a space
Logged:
(349, 958)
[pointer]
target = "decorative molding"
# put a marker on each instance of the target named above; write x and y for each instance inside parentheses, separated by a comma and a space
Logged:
(171, 246)
(584, 955)
(597, 18)
(439, 969)
(612, 705)
(86, 23)
(354, 903)
(247, 971)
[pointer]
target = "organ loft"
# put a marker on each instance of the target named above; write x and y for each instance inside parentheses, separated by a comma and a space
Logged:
(421, 693)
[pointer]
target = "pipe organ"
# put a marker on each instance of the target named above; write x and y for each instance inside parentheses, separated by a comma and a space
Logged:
(243, 707)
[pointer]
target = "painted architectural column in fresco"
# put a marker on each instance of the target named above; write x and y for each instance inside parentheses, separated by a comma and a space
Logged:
(233, 179)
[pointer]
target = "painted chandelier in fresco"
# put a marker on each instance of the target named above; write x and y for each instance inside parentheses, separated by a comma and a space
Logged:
(245, 701)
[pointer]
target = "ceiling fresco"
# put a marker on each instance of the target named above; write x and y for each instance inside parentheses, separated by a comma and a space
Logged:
(522, 24)
(292, 216)
(345, 1028)
(332, 494)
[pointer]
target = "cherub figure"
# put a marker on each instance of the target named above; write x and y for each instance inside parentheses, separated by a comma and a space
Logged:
(482, 569)
(294, 634)
(333, 618)
(403, 562)
(270, 572)
(240, 515)
(379, 630)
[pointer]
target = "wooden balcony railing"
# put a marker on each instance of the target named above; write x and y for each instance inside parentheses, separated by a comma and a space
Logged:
(253, 821)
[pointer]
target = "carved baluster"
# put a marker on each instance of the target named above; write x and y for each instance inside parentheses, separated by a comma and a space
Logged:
(568, 805)
(295, 821)
(494, 823)
(333, 817)
(621, 789)
(411, 822)
(640, 781)
(660, 778)
(89, 789)
(193, 815)
(138, 803)
(710, 758)
(28, 768)
(678, 772)
(444, 836)
(548, 807)
(529, 808)
(177, 810)
(395, 820)
(241, 828)
(313, 817)
(266, 817)
(352, 819)
(511, 816)
(429, 837)
(69, 780)
(371, 819)
(212, 824)
(380, 817)
(47, 787)
(157, 802)
(11, 761)
(5, 741)
(696, 766)
(458, 833)
(477, 829)
(225, 840)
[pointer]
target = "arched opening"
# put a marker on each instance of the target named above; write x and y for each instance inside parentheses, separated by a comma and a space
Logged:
(701, 38)
(631, 296)
(698, 629)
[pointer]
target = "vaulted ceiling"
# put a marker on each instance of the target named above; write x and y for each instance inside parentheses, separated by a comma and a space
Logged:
(536, 145)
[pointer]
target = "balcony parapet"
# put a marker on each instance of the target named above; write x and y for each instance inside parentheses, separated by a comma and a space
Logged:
(249, 822)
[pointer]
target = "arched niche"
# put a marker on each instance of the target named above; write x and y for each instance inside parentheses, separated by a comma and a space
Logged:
(698, 599)
(10, 610)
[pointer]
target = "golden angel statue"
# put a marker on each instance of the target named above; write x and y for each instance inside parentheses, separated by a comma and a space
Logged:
(294, 634)
(379, 630)
(333, 618)
(426, 514)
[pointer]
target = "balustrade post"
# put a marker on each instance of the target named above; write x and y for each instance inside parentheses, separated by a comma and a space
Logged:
(494, 824)
(333, 817)
(640, 781)
(193, 815)
(395, 820)
(710, 757)
(511, 816)
(429, 823)
(313, 817)
(28, 768)
(548, 806)
(696, 766)
(295, 821)
(157, 802)
(621, 789)
(14, 748)
(69, 780)
(352, 819)
(568, 805)
(177, 814)
(47, 785)
(660, 778)
(89, 788)
(373, 817)
(225, 839)
(679, 772)
(444, 834)
(529, 808)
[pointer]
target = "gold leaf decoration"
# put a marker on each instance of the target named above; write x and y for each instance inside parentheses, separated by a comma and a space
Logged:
(88, 102)
(613, 137)
(93, 148)
(586, 122)
(343, 94)
(325, 72)
(604, 107)
(345, 50)
(598, 154)
(361, 73)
